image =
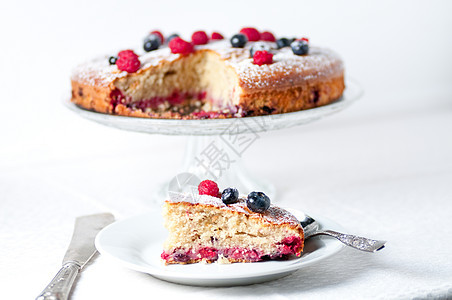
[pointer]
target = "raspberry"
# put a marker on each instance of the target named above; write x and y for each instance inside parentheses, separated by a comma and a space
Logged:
(199, 38)
(262, 58)
(208, 253)
(174, 35)
(178, 45)
(216, 36)
(128, 61)
(126, 54)
(160, 35)
(208, 187)
(267, 36)
(251, 33)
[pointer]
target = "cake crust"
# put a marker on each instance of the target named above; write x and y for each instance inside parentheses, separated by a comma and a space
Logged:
(290, 84)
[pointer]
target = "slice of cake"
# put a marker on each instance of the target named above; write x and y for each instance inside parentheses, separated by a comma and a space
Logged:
(228, 229)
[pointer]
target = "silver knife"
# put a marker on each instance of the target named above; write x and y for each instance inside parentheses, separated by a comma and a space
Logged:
(79, 252)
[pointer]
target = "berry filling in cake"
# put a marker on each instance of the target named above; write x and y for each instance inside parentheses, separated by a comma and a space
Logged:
(286, 248)
(224, 227)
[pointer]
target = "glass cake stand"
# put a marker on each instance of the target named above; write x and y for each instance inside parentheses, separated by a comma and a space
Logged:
(215, 146)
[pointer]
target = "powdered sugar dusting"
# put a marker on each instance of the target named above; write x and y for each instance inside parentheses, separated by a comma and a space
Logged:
(97, 72)
(100, 72)
(274, 215)
(287, 69)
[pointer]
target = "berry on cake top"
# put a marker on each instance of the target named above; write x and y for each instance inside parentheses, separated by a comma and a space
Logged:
(179, 46)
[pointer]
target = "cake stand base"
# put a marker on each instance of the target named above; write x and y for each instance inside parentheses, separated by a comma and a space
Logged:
(210, 157)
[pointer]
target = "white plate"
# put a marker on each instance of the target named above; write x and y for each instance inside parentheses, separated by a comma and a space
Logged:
(137, 242)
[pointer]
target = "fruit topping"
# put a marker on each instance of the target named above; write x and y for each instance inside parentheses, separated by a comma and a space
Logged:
(128, 61)
(300, 47)
(251, 33)
(267, 36)
(159, 34)
(112, 60)
(174, 35)
(217, 36)
(282, 42)
(258, 202)
(152, 42)
(239, 40)
(199, 38)
(178, 45)
(262, 58)
(208, 187)
(259, 46)
(230, 196)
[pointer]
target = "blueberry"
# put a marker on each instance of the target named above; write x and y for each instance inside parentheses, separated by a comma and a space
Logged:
(112, 60)
(282, 42)
(230, 196)
(152, 36)
(239, 40)
(152, 42)
(259, 46)
(300, 47)
(174, 35)
(258, 202)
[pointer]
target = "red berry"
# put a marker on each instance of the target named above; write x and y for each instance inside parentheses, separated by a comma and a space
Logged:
(178, 45)
(305, 39)
(128, 61)
(251, 33)
(199, 38)
(159, 34)
(126, 54)
(267, 36)
(208, 187)
(216, 36)
(262, 58)
(208, 253)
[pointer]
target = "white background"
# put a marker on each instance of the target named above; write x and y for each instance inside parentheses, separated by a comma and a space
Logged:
(382, 168)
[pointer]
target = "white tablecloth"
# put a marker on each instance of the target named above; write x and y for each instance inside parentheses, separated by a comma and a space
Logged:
(380, 175)
(382, 168)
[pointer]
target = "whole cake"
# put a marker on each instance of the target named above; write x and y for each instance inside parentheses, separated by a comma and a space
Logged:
(251, 74)
(227, 228)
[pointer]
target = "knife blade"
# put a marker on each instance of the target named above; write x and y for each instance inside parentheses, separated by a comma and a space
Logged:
(81, 249)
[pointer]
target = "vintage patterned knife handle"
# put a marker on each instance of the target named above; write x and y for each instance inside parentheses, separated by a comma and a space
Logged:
(60, 286)
(354, 241)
